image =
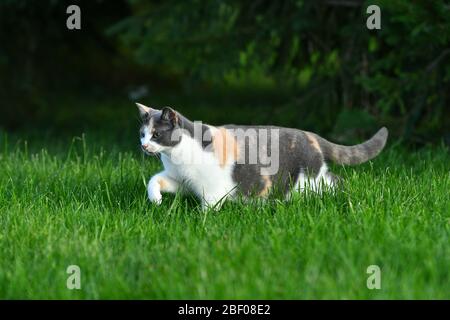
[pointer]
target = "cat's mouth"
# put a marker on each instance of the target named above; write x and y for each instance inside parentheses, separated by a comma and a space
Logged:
(148, 152)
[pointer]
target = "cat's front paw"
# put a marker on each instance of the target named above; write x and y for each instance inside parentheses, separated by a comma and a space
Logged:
(154, 197)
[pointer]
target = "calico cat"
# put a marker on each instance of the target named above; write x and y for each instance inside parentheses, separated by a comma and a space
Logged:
(218, 163)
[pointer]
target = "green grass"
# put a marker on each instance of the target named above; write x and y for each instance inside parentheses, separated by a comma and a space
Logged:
(76, 203)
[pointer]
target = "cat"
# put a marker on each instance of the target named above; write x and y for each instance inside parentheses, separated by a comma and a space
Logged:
(225, 162)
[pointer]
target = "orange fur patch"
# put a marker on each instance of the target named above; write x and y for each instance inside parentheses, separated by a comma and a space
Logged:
(225, 146)
(313, 141)
(162, 184)
(292, 145)
(267, 186)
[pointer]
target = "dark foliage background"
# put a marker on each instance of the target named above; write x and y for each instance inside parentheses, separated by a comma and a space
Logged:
(307, 64)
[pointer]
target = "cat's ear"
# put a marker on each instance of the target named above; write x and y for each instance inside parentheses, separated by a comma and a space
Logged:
(171, 115)
(144, 111)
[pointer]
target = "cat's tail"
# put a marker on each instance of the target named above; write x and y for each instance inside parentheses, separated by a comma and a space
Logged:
(354, 154)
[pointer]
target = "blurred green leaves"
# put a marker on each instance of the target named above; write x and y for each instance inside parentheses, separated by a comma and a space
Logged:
(305, 45)
(318, 54)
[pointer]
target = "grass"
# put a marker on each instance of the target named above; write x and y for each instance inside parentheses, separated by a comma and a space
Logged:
(78, 203)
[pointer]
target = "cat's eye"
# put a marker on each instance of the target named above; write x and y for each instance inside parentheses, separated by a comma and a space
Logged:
(156, 134)
(142, 134)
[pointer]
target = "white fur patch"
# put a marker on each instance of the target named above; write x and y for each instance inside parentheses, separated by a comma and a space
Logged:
(317, 184)
(147, 142)
(200, 171)
(146, 139)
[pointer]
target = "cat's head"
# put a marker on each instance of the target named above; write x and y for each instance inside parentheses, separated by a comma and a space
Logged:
(157, 129)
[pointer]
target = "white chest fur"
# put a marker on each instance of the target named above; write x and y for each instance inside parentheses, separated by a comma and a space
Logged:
(199, 171)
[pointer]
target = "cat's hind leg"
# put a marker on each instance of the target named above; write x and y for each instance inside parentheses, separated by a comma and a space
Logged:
(161, 182)
(323, 181)
(335, 180)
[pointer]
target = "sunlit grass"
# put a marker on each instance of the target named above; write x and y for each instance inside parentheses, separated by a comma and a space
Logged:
(84, 203)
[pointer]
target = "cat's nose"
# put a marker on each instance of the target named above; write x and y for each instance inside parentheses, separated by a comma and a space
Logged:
(144, 146)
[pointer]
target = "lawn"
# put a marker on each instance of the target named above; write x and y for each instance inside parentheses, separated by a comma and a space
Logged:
(83, 202)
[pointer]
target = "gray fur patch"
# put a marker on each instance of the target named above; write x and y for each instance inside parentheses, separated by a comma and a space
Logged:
(296, 154)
